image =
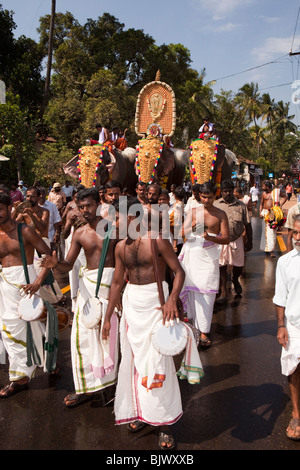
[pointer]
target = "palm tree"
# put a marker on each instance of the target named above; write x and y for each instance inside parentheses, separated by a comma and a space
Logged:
(283, 122)
(269, 113)
(249, 99)
(259, 135)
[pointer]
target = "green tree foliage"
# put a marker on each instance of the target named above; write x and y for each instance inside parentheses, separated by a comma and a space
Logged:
(48, 167)
(98, 70)
(20, 64)
(17, 137)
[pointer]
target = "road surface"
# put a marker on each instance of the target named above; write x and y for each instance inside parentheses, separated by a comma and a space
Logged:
(242, 402)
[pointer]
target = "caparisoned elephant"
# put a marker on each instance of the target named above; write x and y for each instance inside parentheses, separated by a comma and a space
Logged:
(210, 160)
(156, 162)
(95, 166)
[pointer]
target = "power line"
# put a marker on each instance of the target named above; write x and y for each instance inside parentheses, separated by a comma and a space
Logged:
(295, 30)
(275, 86)
(252, 68)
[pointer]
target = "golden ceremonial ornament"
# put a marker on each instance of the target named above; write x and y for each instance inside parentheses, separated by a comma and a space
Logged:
(203, 155)
(155, 117)
(156, 106)
(89, 158)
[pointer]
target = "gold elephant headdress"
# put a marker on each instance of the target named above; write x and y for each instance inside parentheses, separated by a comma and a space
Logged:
(155, 117)
(203, 155)
(89, 158)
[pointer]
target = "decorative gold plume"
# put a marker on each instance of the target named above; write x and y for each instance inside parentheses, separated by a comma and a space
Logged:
(157, 78)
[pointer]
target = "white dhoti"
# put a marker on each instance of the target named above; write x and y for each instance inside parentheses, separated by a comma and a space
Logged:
(94, 363)
(13, 328)
(148, 388)
(290, 357)
(200, 261)
(268, 235)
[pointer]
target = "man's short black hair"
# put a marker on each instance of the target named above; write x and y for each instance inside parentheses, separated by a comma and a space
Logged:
(113, 184)
(179, 192)
(34, 188)
(196, 188)
(155, 185)
(227, 184)
(5, 199)
(208, 187)
(268, 184)
(88, 192)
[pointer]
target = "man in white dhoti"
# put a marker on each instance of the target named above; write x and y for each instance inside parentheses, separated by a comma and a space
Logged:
(206, 230)
(270, 197)
(147, 389)
(73, 220)
(286, 299)
(23, 340)
(94, 363)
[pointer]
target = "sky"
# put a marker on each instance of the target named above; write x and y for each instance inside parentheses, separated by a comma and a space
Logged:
(236, 41)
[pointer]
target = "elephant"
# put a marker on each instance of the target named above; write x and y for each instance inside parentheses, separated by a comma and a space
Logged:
(157, 162)
(210, 160)
(102, 166)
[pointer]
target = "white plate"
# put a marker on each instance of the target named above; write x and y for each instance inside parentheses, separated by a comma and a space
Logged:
(92, 312)
(170, 340)
(31, 308)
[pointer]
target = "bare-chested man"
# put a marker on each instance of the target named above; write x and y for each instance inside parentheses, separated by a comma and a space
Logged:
(206, 229)
(35, 216)
(12, 278)
(92, 370)
(270, 197)
(147, 389)
(38, 217)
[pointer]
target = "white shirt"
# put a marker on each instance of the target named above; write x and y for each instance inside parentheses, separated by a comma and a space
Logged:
(287, 286)
(101, 138)
(68, 190)
(210, 127)
(254, 193)
(54, 217)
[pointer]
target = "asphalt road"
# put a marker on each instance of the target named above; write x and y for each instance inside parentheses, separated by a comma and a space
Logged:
(242, 402)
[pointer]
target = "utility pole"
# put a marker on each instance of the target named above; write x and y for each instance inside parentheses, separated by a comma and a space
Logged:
(49, 63)
(294, 53)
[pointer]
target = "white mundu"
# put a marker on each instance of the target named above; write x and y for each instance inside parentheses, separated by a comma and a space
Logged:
(148, 388)
(13, 328)
(94, 363)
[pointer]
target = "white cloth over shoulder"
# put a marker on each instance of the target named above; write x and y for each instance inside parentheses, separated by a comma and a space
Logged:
(94, 362)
